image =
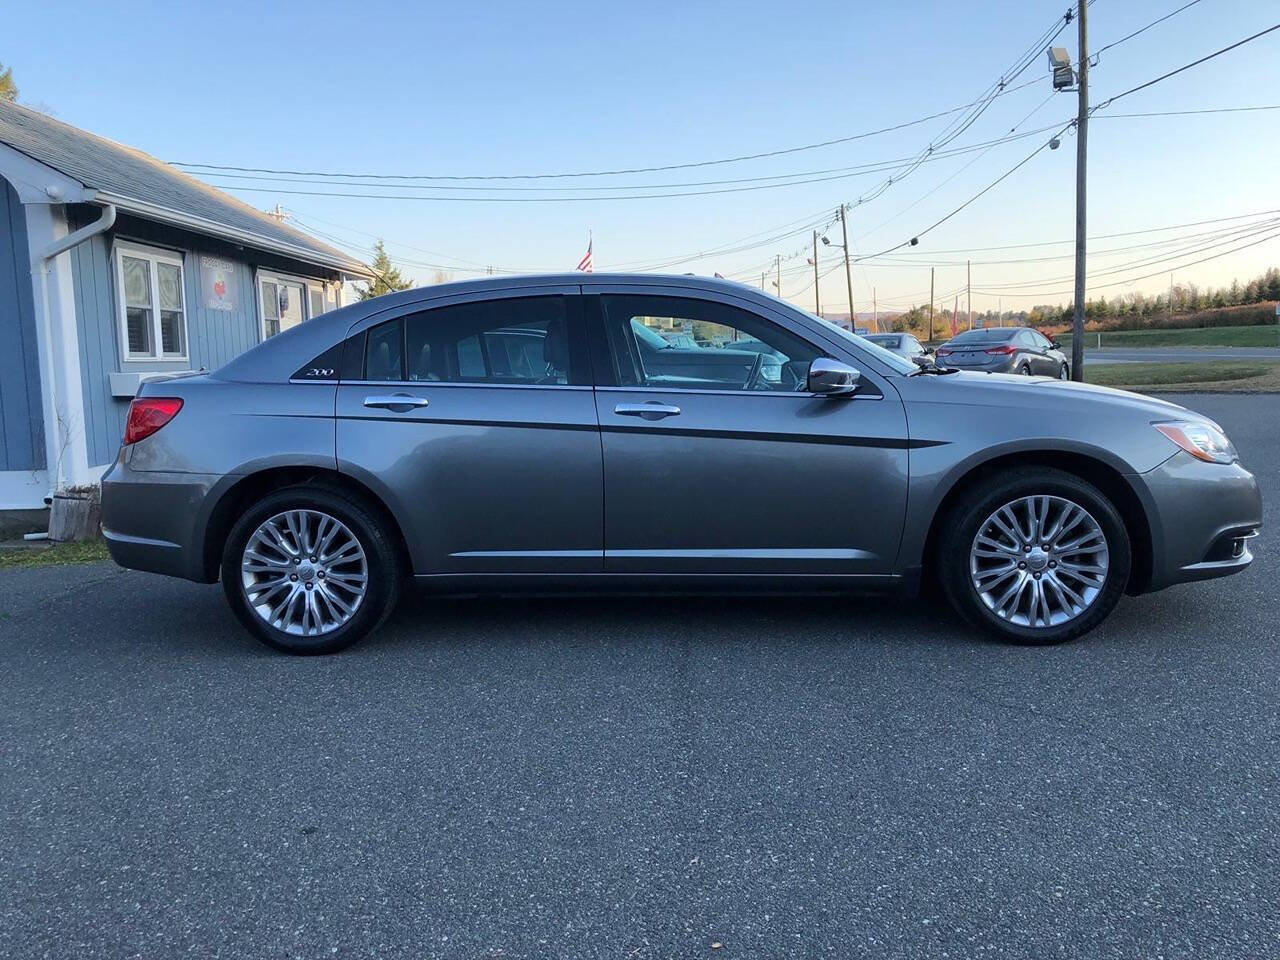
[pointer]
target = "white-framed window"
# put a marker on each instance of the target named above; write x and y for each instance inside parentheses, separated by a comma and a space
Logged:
(285, 301)
(152, 302)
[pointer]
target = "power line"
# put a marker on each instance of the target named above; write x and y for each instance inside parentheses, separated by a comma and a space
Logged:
(1185, 113)
(1147, 276)
(1186, 66)
(861, 171)
(1097, 53)
(600, 173)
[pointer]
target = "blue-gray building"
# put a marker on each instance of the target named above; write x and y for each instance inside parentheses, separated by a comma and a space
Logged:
(115, 267)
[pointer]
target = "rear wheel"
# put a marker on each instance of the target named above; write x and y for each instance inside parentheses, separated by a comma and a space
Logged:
(1025, 370)
(1040, 558)
(309, 570)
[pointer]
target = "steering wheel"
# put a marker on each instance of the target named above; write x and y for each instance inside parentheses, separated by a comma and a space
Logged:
(754, 376)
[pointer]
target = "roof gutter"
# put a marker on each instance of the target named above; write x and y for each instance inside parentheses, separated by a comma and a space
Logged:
(105, 222)
(349, 268)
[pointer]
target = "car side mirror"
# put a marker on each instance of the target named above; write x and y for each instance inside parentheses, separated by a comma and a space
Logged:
(832, 378)
(922, 360)
(928, 351)
(1053, 345)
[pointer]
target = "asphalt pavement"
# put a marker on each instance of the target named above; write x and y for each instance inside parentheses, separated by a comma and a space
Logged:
(644, 778)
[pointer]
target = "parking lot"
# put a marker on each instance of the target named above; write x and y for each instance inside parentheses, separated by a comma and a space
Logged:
(644, 778)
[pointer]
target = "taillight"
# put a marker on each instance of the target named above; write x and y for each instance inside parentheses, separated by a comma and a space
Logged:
(944, 352)
(149, 414)
(1004, 351)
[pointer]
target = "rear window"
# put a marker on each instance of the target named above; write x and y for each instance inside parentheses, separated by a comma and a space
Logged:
(984, 336)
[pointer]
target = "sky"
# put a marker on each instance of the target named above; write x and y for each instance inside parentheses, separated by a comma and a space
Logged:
(503, 88)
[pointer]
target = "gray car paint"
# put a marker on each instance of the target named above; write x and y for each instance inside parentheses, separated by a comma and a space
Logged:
(500, 483)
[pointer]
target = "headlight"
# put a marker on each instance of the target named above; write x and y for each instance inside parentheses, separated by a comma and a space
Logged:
(1204, 441)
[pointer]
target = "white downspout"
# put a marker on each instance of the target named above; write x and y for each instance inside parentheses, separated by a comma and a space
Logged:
(41, 262)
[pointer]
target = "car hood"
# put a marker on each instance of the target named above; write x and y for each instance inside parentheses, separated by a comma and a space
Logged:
(1016, 391)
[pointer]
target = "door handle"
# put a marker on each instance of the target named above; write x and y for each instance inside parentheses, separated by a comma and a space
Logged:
(649, 411)
(400, 402)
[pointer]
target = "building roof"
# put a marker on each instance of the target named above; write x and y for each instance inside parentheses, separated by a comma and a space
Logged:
(140, 184)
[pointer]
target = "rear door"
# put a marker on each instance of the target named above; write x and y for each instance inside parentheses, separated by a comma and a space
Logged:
(739, 470)
(475, 420)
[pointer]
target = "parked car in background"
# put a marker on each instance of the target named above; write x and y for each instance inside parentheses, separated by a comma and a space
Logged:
(533, 434)
(1005, 350)
(903, 344)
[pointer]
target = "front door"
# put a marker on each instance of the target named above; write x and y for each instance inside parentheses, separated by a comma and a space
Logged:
(476, 423)
(716, 459)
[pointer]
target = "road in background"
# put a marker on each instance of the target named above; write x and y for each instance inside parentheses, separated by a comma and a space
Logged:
(643, 778)
(1178, 354)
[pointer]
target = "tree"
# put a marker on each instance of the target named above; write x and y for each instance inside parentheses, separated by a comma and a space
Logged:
(387, 277)
(8, 89)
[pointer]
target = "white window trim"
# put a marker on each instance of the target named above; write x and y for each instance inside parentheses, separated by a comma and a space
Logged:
(308, 283)
(154, 255)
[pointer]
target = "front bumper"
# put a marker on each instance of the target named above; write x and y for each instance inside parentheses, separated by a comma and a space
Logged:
(155, 521)
(1203, 517)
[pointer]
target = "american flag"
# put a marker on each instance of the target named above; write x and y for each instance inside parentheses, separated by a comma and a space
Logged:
(585, 264)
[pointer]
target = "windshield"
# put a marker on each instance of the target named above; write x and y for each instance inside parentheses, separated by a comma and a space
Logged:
(890, 359)
(648, 336)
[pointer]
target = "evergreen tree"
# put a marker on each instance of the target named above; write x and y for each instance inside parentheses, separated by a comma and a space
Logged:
(387, 277)
(8, 89)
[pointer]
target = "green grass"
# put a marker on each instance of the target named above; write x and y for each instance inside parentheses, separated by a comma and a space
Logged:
(57, 554)
(1255, 336)
(1225, 374)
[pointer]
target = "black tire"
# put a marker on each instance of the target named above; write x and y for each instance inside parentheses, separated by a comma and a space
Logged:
(962, 525)
(1025, 370)
(1064, 373)
(384, 573)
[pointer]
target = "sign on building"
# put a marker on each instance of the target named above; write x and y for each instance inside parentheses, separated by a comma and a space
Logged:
(218, 283)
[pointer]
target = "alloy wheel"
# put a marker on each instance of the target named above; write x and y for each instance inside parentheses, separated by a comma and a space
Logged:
(304, 572)
(1039, 561)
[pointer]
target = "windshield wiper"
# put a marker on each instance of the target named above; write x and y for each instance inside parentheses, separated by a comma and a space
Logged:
(925, 364)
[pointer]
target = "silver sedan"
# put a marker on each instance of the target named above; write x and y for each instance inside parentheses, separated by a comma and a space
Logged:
(518, 435)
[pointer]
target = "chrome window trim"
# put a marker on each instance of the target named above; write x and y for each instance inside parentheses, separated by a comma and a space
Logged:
(736, 393)
(451, 383)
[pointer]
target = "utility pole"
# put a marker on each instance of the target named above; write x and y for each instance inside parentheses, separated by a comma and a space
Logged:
(1082, 153)
(968, 292)
(848, 277)
(875, 312)
(762, 276)
(931, 304)
(777, 263)
(817, 300)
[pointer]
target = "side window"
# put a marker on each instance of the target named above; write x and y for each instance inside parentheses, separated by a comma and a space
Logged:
(684, 343)
(1040, 340)
(382, 352)
(523, 340)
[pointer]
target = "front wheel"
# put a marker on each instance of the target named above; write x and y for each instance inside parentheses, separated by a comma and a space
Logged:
(1042, 557)
(309, 570)
(1064, 372)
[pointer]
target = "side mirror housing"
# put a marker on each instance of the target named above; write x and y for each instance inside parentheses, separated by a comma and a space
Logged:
(832, 378)
(922, 360)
